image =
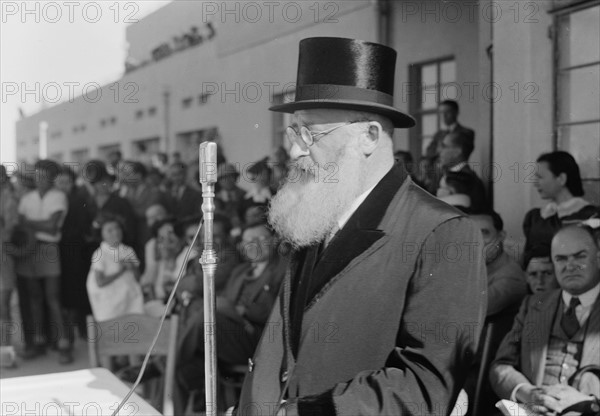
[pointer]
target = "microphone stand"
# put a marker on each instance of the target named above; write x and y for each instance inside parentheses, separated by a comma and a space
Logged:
(208, 260)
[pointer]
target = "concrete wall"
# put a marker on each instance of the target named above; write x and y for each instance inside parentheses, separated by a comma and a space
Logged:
(426, 30)
(249, 62)
(522, 123)
(240, 71)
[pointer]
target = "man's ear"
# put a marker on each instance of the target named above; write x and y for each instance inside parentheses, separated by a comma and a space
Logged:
(369, 139)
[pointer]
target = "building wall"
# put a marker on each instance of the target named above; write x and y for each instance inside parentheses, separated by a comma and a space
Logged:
(247, 62)
(239, 72)
(522, 127)
(426, 30)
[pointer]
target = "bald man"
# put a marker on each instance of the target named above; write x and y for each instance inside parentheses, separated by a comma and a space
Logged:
(556, 335)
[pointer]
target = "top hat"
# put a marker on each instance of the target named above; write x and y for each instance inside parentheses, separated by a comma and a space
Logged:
(346, 74)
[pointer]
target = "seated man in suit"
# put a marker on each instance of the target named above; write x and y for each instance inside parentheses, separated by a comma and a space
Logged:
(185, 201)
(506, 288)
(556, 334)
(190, 290)
(242, 311)
(455, 150)
(505, 281)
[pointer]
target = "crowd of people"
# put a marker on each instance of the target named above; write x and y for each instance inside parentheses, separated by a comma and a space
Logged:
(562, 240)
(111, 239)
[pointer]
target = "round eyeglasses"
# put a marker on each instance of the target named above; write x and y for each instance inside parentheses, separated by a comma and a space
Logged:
(306, 138)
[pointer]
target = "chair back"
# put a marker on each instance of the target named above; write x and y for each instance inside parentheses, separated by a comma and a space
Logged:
(495, 329)
(133, 335)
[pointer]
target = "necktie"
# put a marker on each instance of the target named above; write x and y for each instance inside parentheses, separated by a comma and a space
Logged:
(569, 322)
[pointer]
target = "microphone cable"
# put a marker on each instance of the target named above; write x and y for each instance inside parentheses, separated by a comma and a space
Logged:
(162, 321)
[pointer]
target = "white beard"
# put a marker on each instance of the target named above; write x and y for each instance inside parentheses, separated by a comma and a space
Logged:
(307, 207)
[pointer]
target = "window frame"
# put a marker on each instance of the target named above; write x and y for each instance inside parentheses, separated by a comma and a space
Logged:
(559, 13)
(416, 102)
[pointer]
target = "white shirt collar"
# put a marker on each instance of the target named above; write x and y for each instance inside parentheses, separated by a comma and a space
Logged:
(359, 200)
(564, 209)
(587, 299)
(259, 268)
(458, 167)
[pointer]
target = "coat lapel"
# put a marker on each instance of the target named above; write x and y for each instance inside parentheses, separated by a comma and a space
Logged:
(542, 319)
(359, 233)
(591, 344)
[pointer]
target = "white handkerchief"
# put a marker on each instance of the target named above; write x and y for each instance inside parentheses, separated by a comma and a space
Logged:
(510, 408)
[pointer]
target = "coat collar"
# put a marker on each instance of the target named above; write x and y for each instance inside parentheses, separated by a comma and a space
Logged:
(360, 232)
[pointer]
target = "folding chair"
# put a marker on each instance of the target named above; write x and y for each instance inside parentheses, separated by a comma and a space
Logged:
(133, 335)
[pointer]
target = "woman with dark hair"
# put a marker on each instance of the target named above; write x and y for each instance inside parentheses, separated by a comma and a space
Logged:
(106, 201)
(171, 247)
(74, 254)
(557, 180)
(259, 177)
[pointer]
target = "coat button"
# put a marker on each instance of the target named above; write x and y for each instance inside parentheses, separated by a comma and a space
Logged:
(284, 376)
(250, 365)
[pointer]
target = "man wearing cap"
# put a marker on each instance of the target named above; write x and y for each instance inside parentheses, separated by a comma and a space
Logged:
(382, 305)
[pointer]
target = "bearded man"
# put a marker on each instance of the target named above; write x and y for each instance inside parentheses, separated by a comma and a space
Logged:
(381, 308)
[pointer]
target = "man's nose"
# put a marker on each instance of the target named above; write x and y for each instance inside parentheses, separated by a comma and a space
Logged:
(572, 265)
(296, 152)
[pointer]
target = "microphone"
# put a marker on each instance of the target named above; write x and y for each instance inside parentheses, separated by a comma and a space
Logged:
(208, 179)
(208, 163)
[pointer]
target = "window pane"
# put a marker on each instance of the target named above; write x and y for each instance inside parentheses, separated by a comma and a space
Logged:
(449, 91)
(104, 151)
(429, 74)
(429, 124)
(579, 37)
(583, 142)
(57, 157)
(578, 99)
(80, 156)
(429, 98)
(425, 143)
(448, 72)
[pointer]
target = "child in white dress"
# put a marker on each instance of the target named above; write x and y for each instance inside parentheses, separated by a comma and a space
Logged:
(112, 284)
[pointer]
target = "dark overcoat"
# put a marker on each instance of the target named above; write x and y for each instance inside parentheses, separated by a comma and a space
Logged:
(392, 318)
